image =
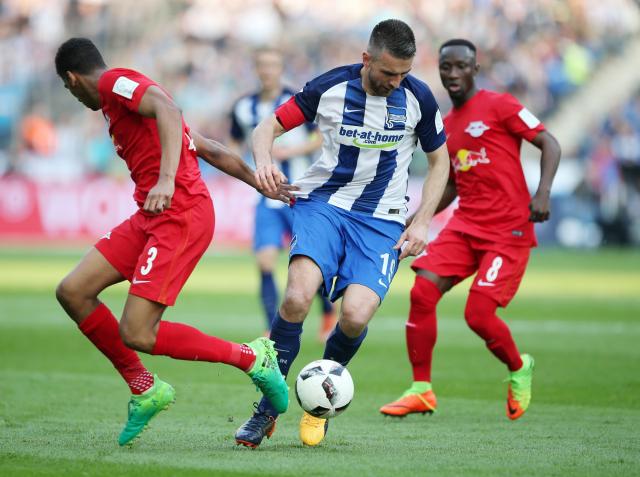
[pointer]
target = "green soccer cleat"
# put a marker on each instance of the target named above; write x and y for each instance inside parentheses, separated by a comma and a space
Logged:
(266, 374)
(144, 407)
(519, 392)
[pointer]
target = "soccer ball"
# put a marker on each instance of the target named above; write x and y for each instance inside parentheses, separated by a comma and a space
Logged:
(324, 388)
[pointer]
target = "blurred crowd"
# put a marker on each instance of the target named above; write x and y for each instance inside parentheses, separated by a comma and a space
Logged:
(201, 51)
(612, 157)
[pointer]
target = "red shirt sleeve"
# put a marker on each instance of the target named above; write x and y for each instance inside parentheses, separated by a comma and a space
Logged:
(517, 119)
(125, 87)
(289, 114)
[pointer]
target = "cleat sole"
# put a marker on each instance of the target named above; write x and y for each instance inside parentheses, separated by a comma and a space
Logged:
(430, 413)
(250, 445)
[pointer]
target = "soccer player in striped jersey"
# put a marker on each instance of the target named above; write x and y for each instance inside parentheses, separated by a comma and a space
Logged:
(491, 232)
(273, 219)
(349, 217)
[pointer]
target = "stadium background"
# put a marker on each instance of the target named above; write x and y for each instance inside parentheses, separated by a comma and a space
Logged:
(574, 63)
(61, 180)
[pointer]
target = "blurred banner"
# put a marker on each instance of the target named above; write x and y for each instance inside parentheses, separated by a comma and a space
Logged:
(34, 212)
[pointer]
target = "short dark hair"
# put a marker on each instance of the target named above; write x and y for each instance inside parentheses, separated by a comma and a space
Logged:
(79, 55)
(458, 42)
(395, 36)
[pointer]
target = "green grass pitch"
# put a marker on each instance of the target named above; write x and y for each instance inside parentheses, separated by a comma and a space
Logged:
(62, 405)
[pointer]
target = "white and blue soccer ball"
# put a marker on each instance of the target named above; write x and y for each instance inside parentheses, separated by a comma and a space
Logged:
(324, 388)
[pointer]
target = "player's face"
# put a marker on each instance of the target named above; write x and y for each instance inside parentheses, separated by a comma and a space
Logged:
(384, 72)
(269, 69)
(458, 69)
(77, 88)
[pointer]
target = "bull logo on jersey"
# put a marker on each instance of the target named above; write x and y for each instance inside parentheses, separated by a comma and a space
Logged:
(396, 117)
(476, 128)
(466, 159)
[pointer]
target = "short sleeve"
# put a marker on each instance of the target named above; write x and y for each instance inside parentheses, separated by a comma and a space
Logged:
(309, 98)
(125, 87)
(517, 119)
(430, 127)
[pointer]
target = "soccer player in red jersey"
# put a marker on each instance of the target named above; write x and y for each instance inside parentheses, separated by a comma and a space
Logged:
(157, 248)
(491, 232)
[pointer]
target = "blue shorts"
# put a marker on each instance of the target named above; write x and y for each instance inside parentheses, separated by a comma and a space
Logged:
(352, 247)
(272, 225)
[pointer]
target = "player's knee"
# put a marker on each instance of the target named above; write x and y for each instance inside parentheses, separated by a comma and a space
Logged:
(355, 318)
(296, 302)
(479, 311)
(353, 328)
(67, 292)
(419, 298)
(266, 264)
(136, 338)
(424, 294)
(473, 319)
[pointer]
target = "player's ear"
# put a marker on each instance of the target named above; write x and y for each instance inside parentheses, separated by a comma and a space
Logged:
(71, 78)
(366, 59)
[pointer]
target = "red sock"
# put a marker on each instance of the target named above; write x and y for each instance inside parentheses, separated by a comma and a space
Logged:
(185, 342)
(422, 328)
(101, 327)
(481, 317)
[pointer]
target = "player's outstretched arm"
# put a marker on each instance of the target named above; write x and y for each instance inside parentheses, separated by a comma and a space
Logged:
(268, 176)
(224, 159)
(549, 160)
(415, 235)
(156, 104)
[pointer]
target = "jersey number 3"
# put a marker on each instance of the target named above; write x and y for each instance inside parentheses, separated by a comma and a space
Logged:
(153, 253)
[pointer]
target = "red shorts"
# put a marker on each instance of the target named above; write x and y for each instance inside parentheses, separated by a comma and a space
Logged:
(158, 253)
(500, 267)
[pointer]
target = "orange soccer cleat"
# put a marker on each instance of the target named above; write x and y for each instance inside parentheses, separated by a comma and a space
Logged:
(412, 401)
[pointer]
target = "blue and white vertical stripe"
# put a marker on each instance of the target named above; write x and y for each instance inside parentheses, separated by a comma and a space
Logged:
(368, 142)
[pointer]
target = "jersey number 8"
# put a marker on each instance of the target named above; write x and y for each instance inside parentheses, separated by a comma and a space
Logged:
(492, 273)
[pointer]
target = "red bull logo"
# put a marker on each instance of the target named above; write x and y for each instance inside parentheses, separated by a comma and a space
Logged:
(466, 159)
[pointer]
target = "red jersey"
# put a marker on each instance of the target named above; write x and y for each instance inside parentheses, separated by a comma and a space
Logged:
(137, 141)
(484, 137)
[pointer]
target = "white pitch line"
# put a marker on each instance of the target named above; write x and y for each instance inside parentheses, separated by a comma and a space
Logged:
(526, 326)
(381, 323)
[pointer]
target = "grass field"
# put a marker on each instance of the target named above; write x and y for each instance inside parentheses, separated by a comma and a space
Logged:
(62, 405)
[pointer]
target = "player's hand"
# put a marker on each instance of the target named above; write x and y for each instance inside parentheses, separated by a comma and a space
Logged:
(539, 208)
(284, 193)
(159, 197)
(268, 178)
(413, 240)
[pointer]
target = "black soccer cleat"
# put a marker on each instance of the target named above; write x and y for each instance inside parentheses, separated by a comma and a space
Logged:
(251, 433)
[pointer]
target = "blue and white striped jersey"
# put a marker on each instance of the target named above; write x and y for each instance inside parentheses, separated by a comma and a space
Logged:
(368, 141)
(249, 110)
